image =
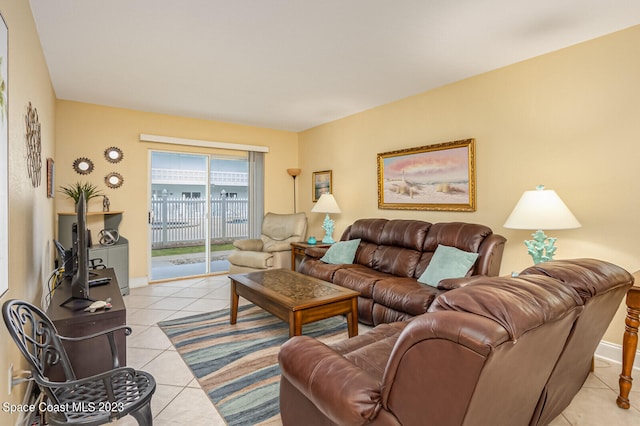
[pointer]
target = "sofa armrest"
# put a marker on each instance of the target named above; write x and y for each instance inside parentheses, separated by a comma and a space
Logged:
(453, 283)
(316, 252)
(341, 391)
(276, 246)
(456, 345)
(251, 244)
(490, 258)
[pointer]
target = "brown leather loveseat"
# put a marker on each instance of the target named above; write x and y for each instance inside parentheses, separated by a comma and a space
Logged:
(496, 351)
(393, 254)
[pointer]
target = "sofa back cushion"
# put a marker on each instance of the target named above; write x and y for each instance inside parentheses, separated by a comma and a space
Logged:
(517, 304)
(400, 246)
(404, 247)
(463, 236)
(368, 231)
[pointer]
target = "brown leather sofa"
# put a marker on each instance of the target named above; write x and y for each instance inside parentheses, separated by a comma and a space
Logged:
(494, 351)
(392, 255)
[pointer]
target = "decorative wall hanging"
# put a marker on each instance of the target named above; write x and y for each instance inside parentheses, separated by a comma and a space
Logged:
(113, 154)
(83, 166)
(34, 161)
(4, 158)
(434, 177)
(322, 184)
(50, 178)
(113, 180)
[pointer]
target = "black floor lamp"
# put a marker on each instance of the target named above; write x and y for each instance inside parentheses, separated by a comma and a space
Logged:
(294, 174)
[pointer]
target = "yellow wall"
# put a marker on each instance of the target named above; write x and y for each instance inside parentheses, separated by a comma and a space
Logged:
(85, 130)
(30, 211)
(568, 120)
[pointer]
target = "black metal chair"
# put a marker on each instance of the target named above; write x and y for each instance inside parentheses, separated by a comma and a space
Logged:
(94, 400)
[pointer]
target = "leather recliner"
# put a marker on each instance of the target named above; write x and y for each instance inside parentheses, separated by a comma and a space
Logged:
(273, 248)
(601, 298)
(485, 353)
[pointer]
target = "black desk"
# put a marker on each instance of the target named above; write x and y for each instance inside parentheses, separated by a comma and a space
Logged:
(92, 356)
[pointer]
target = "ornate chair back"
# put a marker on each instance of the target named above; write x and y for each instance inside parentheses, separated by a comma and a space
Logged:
(36, 337)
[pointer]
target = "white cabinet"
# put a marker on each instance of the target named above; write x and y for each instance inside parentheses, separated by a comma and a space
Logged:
(116, 257)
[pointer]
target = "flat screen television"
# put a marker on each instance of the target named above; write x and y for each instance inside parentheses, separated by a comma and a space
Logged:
(80, 258)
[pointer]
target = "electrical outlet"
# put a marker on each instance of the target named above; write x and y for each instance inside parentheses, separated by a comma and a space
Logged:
(10, 379)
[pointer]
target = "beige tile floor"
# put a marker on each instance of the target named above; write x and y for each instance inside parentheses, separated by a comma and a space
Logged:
(180, 400)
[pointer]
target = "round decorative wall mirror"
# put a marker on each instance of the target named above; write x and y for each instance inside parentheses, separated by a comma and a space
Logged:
(83, 166)
(113, 154)
(113, 180)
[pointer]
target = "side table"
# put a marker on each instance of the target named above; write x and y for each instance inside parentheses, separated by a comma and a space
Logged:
(629, 341)
(297, 251)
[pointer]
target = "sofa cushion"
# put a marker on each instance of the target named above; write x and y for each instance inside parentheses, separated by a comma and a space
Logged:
(359, 278)
(317, 269)
(404, 295)
(341, 252)
(465, 236)
(283, 227)
(251, 259)
(254, 244)
(588, 277)
(517, 304)
(447, 262)
(397, 261)
(404, 233)
(370, 351)
(368, 230)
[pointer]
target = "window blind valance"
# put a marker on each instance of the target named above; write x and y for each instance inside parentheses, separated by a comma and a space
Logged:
(196, 142)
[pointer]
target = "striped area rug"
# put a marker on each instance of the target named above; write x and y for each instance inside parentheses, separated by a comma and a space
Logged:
(237, 365)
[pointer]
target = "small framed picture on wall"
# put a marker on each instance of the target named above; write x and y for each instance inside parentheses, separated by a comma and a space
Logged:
(321, 182)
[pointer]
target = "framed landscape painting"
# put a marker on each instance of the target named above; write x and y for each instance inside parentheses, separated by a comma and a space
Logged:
(321, 184)
(433, 177)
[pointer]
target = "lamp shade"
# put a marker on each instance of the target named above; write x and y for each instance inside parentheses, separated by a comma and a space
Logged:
(541, 209)
(294, 172)
(326, 204)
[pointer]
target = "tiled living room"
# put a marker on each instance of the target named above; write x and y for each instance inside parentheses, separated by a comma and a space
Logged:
(311, 98)
(180, 399)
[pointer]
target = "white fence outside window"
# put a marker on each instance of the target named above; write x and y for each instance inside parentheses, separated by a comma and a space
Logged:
(182, 221)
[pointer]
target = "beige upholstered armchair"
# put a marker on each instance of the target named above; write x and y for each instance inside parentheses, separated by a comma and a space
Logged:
(272, 249)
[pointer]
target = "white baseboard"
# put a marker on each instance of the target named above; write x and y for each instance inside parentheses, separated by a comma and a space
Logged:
(138, 282)
(613, 353)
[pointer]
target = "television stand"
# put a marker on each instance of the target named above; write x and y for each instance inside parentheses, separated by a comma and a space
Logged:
(90, 356)
(79, 303)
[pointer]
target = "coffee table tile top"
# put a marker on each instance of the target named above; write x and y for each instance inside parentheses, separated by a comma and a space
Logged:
(289, 285)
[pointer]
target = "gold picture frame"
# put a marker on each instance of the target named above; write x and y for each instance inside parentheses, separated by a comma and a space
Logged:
(432, 177)
(321, 184)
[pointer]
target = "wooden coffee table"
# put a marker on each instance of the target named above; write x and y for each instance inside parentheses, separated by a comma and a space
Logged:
(295, 298)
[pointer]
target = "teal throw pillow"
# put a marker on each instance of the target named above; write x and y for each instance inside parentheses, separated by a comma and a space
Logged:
(341, 252)
(447, 262)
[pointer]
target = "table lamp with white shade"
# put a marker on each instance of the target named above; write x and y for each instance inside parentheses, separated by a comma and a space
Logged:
(541, 209)
(327, 204)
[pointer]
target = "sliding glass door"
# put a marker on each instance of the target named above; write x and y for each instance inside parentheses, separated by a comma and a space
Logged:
(199, 206)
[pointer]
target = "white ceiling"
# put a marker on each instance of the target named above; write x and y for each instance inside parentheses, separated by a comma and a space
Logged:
(295, 64)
